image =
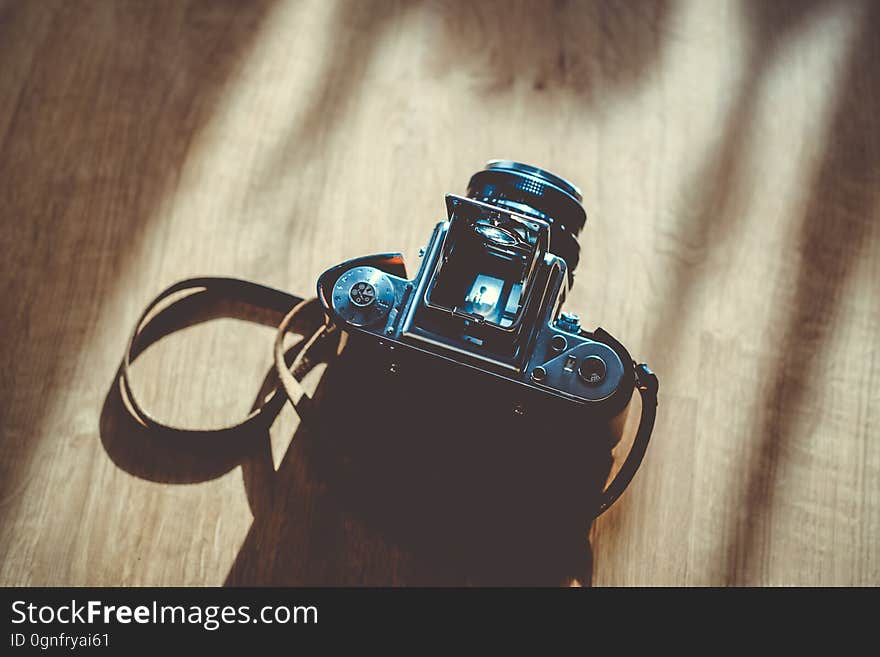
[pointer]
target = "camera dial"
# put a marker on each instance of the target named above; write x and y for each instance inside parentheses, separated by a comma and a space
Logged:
(363, 296)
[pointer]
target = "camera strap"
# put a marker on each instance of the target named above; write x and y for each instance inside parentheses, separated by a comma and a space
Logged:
(648, 386)
(183, 304)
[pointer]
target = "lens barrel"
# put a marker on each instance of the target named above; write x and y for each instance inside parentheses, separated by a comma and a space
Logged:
(538, 193)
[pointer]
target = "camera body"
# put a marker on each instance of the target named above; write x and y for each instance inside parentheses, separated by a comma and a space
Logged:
(487, 302)
(471, 414)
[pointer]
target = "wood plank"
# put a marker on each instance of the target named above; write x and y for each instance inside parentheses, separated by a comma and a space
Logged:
(730, 159)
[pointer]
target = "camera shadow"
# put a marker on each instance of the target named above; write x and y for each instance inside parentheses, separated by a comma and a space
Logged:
(373, 491)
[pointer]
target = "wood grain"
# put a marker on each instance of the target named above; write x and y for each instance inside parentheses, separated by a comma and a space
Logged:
(730, 159)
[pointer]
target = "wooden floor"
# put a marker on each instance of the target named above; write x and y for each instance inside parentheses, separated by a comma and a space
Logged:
(729, 155)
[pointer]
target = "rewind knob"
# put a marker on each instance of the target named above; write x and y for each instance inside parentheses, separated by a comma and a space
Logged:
(363, 296)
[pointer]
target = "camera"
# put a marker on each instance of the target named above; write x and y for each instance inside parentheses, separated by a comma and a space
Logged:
(488, 298)
(467, 397)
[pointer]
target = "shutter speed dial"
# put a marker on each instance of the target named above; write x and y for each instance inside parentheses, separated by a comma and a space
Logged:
(363, 296)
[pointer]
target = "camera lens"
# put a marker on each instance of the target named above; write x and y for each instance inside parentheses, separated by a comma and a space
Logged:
(537, 193)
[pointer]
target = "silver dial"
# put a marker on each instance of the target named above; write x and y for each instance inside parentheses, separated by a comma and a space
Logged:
(363, 296)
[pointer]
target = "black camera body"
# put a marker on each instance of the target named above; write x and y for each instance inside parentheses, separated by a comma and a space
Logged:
(468, 410)
(487, 300)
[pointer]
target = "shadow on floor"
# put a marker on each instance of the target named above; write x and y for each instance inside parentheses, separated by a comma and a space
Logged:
(383, 486)
(108, 98)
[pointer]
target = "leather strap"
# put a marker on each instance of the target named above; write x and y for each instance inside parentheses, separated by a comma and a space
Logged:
(318, 348)
(173, 308)
(646, 382)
